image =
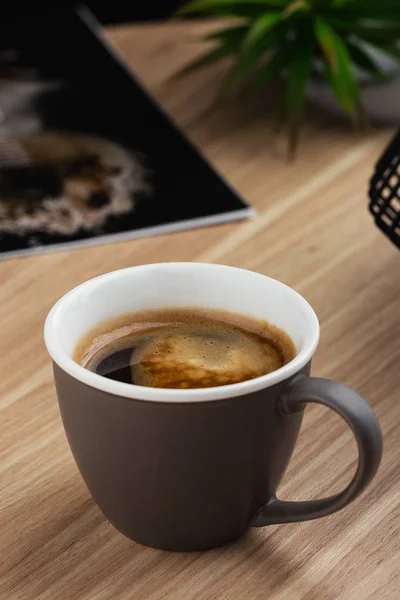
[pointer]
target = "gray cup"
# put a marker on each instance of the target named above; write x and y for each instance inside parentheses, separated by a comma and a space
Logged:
(194, 469)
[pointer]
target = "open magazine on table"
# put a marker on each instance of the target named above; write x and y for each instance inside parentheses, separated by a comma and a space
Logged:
(86, 155)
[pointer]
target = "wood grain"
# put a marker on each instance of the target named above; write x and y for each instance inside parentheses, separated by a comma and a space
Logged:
(313, 232)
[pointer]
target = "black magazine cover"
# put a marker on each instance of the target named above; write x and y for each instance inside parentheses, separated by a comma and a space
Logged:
(86, 156)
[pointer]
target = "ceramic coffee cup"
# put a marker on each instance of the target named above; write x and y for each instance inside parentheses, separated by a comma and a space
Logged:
(194, 469)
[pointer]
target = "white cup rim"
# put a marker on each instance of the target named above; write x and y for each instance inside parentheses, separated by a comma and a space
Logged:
(136, 392)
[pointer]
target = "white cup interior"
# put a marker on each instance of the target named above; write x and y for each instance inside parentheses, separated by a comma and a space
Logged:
(172, 285)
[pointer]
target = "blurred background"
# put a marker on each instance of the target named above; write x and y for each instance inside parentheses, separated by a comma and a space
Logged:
(108, 12)
(119, 11)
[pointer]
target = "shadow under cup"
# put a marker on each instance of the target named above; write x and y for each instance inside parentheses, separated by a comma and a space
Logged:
(193, 469)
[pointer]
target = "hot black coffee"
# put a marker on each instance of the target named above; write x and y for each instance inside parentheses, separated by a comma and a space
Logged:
(184, 348)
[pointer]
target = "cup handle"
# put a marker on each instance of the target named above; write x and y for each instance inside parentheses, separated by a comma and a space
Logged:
(361, 419)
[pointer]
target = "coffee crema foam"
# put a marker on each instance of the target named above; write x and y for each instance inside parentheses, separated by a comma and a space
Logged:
(184, 348)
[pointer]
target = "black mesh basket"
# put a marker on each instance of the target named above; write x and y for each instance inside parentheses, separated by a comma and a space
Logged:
(384, 192)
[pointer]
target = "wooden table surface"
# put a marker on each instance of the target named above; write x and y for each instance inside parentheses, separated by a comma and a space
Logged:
(313, 232)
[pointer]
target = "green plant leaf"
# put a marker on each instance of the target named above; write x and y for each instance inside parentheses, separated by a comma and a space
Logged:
(248, 58)
(271, 69)
(296, 83)
(227, 35)
(357, 4)
(213, 6)
(338, 67)
(260, 27)
(206, 59)
(297, 6)
(340, 3)
(229, 40)
(364, 60)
